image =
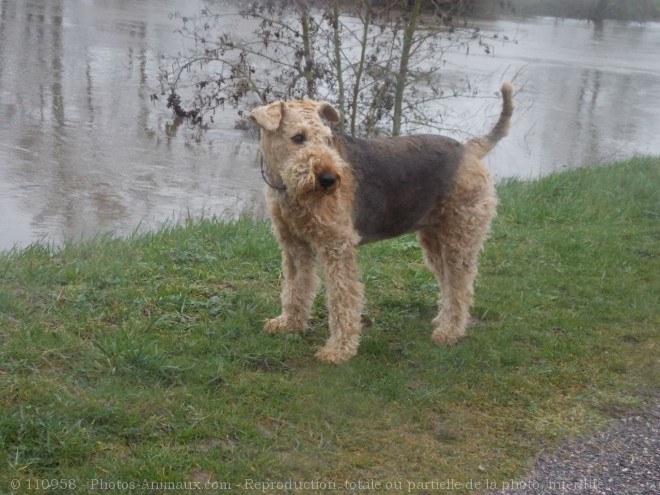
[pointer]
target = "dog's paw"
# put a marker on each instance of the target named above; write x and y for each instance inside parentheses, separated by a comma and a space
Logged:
(332, 355)
(337, 353)
(281, 324)
(442, 337)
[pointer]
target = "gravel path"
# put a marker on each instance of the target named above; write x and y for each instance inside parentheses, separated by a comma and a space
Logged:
(623, 460)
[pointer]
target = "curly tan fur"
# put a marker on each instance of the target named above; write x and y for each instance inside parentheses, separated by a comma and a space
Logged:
(335, 192)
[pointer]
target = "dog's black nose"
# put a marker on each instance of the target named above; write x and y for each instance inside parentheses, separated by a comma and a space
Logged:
(326, 180)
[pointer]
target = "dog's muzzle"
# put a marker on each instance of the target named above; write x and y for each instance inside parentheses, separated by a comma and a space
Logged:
(326, 180)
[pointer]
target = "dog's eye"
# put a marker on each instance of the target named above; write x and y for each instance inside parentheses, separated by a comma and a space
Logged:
(298, 138)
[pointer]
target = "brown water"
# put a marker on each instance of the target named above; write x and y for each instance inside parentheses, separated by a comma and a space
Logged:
(84, 151)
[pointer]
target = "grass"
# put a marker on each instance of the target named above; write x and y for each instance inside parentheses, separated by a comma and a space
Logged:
(141, 360)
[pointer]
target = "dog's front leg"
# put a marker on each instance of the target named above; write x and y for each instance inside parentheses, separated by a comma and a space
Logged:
(345, 300)
(300, 281)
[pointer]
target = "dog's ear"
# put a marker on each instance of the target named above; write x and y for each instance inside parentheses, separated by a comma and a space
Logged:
(328, 111)
(269, 116)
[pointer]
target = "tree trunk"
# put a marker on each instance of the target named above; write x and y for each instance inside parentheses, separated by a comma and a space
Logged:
(308, 69)
(402, 75)
(364, 42)
(341, 99)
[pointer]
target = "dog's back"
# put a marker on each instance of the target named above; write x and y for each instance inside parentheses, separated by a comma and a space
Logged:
(399, 181)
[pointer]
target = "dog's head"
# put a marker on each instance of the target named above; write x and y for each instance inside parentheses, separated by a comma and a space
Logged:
(313, 169)
(295, 132)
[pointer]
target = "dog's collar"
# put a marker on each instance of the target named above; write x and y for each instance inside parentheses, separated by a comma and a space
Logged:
(264, 174)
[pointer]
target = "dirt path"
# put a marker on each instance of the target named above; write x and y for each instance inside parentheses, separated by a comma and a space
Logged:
(623, 460)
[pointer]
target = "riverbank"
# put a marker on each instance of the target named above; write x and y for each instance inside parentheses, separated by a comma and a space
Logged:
(142, 359)
(587, 9)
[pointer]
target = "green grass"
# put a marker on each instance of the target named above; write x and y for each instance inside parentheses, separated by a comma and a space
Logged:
(142, 359)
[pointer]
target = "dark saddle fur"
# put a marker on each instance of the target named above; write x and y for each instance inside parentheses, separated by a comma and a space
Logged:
(399, 180)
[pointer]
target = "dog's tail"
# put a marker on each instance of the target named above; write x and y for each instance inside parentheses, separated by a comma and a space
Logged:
(480, 146)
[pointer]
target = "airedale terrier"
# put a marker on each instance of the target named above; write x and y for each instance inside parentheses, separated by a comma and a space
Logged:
(329, 192)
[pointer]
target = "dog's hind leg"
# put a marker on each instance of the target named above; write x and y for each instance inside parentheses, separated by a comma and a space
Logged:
(455, 270)
(429, 240)
(451, 251)
(345, 300)
(300, 281)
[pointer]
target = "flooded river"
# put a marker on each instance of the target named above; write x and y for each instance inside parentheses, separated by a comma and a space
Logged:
(84, 151)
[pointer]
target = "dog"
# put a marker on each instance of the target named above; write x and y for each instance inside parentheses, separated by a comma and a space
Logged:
(328, 193)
